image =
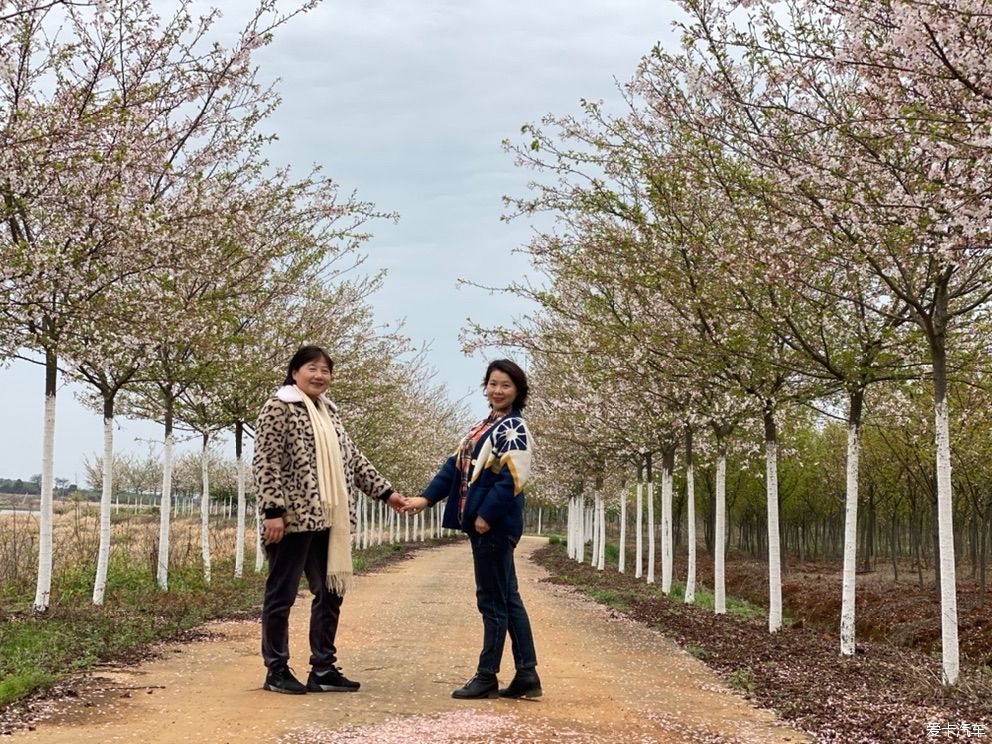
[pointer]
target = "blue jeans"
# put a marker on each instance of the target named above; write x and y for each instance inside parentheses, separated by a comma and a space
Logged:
(500, 604)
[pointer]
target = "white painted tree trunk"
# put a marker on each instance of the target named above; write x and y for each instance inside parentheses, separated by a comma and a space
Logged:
(601, 537)
(847, 604)
(621, 561)
(581, 527)
(380, 509)
(106, 496)
(594, 515)
(571, 531)
(569, 528)
(639, 531)
(690, 528)
(259, 548)
(651, 531)
(165, 512)
(774, 549)
(46, 516)
(360, 535)
(540, 514)
(239, 538)
(945, 540)
(205, 507)
(720, 534)
(373, 510)
(667, 549)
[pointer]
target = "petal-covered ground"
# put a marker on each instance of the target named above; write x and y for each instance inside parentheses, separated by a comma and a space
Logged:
(884, 693)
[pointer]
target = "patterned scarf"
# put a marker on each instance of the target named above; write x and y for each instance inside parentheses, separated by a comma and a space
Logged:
(333, 488)
(465, 450)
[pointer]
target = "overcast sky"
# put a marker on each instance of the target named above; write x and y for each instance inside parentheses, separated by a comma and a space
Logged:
(406, 102)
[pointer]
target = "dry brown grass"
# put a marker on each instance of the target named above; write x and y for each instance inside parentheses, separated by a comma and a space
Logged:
(134, 539)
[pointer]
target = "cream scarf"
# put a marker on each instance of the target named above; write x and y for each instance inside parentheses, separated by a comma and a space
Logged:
(333, 488)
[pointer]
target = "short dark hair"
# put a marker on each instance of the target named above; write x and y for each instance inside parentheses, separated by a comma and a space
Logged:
(516, 374)
(305, 355)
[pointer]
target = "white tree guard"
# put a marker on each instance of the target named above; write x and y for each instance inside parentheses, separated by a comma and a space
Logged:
(945, 540)
(165, 514)
(848, 582)
(774, 548)
(106, 495)
(43, 590)
(720, 536)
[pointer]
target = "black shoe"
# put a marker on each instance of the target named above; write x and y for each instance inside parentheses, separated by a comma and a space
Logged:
(525, 683)
(282, 680)
(480, 686)
(331, 681)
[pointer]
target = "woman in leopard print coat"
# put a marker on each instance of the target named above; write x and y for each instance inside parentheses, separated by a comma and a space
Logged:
(295, 528)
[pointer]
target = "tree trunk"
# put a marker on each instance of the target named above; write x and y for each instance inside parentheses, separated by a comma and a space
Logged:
(667, 546)
(639, 524)
(165, 501)
(580, 521)
(690, 527)
(46, 516)
(601, 531)
(106, 496)
(205, 506)
(847, 609)
(983, 532)
(893, 549)
(239, 538)
(720, 530)
(945, 515)
(621, 560)
(774, 553)
(594, 515)
(570, 528)
(650, 497)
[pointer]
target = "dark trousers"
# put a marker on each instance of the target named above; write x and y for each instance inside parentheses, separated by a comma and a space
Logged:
(500, 604)
(298, 553)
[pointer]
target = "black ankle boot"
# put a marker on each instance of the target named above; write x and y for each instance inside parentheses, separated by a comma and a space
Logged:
(480, 686)
(525, 683)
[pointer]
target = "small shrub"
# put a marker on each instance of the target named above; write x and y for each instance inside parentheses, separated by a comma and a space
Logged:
(743, 679)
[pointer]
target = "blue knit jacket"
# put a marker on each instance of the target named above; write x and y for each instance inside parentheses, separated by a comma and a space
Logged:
(500, 468)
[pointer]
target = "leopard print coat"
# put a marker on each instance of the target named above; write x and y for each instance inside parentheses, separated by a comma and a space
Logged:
(285, 464)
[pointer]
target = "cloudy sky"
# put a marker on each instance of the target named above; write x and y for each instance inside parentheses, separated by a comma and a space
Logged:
(406, 101)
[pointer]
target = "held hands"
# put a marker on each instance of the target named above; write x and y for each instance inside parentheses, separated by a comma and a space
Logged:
(416, 504)
(397, 502)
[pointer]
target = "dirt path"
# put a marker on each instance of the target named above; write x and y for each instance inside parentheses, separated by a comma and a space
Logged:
(410, 635)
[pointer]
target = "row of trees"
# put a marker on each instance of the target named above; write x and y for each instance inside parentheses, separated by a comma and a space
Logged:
(152, 253)
(792, 214)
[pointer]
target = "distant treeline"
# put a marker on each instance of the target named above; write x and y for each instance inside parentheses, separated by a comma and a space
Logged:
(32, 486)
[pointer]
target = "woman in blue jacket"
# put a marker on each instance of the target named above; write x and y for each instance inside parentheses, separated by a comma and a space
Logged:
(483, 482)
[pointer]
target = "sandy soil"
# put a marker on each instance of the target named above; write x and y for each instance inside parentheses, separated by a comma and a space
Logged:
(410, 634)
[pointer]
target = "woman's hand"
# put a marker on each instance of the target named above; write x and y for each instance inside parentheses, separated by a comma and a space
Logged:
(397, 502)
(272, 530)
(481, 525)
(416, 504)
